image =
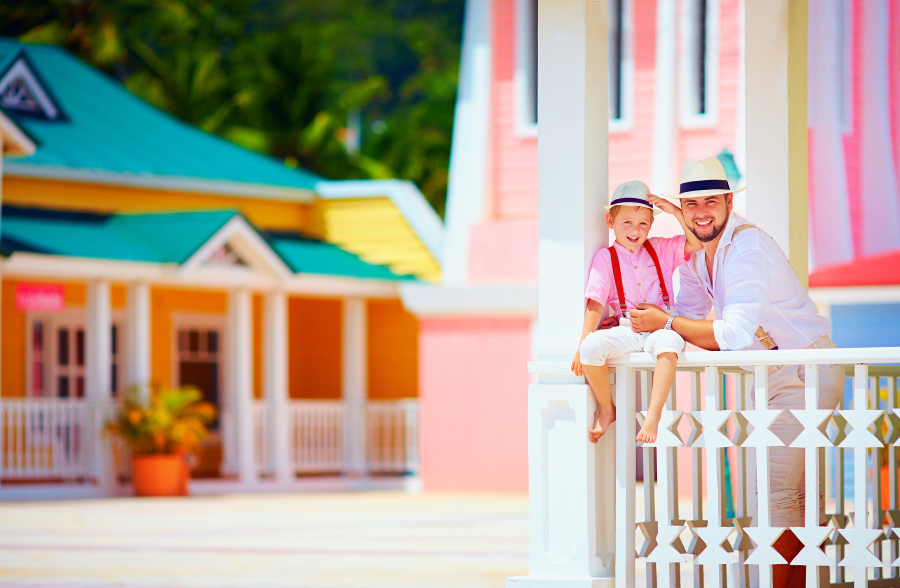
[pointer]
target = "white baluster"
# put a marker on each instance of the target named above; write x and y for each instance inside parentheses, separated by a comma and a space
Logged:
(811, 439)
(625, 476)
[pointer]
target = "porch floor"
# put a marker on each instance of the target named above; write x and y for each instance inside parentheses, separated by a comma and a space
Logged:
(376, 539)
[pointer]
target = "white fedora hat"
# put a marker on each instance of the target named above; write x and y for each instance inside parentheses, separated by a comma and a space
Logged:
(703, 178)
(632, 193)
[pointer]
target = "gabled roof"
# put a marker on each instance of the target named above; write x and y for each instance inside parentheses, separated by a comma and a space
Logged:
(107, 134)
(876, 270)
(181, 238)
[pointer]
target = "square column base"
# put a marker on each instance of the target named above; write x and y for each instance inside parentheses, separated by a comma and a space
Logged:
(557, 582)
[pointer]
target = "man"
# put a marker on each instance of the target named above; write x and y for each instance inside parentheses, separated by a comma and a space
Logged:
(759, 303)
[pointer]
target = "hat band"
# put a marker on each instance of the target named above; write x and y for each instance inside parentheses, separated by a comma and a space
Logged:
(637, 201)
(705, 185)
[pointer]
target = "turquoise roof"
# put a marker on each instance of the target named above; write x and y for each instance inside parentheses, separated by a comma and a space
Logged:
(163, 238)
(107, 129)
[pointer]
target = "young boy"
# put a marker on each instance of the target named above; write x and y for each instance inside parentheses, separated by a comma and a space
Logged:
(645, 267)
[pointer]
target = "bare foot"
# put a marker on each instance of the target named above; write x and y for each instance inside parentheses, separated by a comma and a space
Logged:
(647, 434)
(604, 420)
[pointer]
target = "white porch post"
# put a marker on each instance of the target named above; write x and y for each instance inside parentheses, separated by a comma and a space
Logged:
(775, 33)
(571, 512)
(97, 376)
(275, 356)
(241, 385)
(138, 333)
(354, 371)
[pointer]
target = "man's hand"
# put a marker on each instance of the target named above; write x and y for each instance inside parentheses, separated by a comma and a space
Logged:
(647, 318)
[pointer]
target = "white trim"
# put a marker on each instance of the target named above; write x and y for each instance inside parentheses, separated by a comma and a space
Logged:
(426, 300)
(422, 218)
(469, 152)
(523, 76)
(625, 123)
(13, 135)
(855, 295)
(154, 182)
(688, 117)
(33, 265)
(246, 243)
(20, 69)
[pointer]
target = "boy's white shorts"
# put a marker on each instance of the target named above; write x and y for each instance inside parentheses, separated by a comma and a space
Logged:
(606, 344)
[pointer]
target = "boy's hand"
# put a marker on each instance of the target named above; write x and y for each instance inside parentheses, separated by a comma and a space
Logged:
(663, 204)
(609, 322)
(647, 318)
(576, 364)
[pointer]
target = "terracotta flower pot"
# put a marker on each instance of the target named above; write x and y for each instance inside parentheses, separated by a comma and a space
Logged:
(159, 475)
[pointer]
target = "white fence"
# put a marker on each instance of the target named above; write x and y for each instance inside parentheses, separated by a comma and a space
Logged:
(45, 439)
(392, 432)
(317, 435)
(857, 546)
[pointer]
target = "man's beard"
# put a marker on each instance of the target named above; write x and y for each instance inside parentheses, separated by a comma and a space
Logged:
(716, 230)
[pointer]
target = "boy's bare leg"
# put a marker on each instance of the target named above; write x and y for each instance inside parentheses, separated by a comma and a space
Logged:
(598, 379)
(662, 383)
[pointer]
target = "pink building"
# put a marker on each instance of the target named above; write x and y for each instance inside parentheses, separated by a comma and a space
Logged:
(676, 92)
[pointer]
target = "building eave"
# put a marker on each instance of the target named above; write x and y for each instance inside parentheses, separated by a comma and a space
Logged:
(14, 141)
(154, 182)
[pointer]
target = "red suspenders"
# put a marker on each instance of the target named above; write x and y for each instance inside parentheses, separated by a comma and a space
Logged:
(617, 275)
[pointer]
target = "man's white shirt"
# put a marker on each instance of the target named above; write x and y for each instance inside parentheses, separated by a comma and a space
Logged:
(753, 285)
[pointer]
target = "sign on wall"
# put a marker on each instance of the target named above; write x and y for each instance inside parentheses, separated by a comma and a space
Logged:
(40, 297)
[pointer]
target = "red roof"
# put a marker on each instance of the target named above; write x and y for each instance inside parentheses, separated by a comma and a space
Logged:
(877, 270)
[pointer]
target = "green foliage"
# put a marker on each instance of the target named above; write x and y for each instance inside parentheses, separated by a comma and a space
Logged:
(173, 421)
(281, 77)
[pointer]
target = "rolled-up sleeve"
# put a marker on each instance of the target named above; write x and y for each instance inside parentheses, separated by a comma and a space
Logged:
(692, 301)
(748, 275)
(598, 282)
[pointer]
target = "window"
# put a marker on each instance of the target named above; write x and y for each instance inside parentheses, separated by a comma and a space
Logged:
(56, 350)
(198, 358)
(526, 74)
(699, 62)
(21, 91)
(621, 65)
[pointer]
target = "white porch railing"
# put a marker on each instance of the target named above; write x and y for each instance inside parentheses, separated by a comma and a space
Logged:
(392, 432)
(317, 435)
(45, 439)
(859, 543)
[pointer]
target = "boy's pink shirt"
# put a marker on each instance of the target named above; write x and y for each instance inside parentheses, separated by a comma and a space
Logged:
(639, 277)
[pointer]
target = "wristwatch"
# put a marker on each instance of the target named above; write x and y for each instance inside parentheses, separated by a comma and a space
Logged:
(669, 323)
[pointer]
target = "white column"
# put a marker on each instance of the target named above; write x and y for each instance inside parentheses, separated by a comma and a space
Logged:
(776, 91)
(137, 351)
(241, 376)
(469, 152)
(97, 376)
(354, 370)
(275, 379)
(571, 486)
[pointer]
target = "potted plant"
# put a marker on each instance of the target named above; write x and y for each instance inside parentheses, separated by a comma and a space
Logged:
(159, 432)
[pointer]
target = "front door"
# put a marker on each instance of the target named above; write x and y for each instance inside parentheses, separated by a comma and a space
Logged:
(198, 340)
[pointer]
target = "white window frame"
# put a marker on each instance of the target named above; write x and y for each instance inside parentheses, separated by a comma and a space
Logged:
(523, 76)
(73, 317)
(626, 84)
(844, 18)
(687, 107)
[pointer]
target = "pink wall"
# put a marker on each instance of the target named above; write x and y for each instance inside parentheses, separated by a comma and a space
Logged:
(504, 251)
(697, 143)
(514, 177)
(629, 151)
(473, 395)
